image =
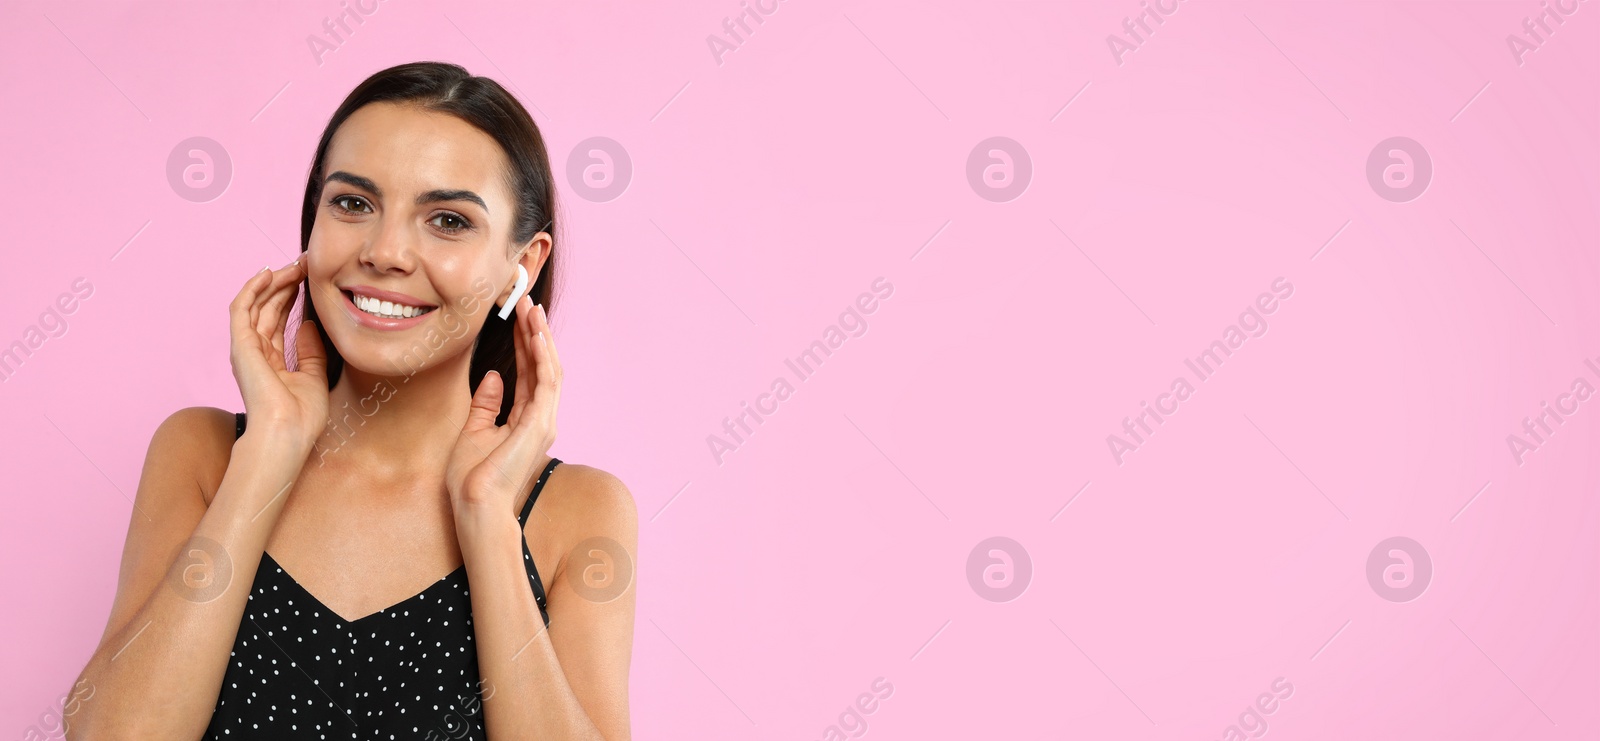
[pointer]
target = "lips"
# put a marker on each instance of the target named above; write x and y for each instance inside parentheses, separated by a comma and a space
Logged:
(376, 308)
(393, 297)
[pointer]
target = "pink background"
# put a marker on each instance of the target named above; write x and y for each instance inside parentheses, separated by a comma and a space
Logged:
(831, 547)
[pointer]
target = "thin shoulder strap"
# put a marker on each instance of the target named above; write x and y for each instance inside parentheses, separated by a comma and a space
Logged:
(538, 486)
(238, 425)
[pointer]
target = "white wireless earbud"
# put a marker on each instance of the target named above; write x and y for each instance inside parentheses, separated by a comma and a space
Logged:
(516, 291)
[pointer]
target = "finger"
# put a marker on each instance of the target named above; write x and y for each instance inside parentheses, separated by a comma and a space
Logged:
(310, 356)
(519, 403)
(280, 332)
(281, 276)
(539, 350)
(550, 345)
(545, 388)
(530, 358)
(284, 281)
(534, 426)
(529, 433)
(269, 332)
(260, 296)
(244, 346)
(248, 298)
(485, 402)
(239, 308)
(275, 317)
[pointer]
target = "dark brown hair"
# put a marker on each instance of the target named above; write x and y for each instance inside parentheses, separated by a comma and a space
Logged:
(482, 102)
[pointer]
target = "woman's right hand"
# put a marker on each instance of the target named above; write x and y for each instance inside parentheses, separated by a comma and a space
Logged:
(289, 406)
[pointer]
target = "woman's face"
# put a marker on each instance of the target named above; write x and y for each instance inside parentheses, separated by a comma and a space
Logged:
(411, 247)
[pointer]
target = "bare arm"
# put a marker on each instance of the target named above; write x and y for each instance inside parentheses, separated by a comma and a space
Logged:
(569, 681)
(185, 578)
(187, 566)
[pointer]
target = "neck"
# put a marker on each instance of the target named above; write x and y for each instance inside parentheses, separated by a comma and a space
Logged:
(396, 425)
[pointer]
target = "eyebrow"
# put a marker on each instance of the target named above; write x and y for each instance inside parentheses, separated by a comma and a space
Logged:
(432, 196)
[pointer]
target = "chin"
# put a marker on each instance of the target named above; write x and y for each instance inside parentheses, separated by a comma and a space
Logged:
(395, 357)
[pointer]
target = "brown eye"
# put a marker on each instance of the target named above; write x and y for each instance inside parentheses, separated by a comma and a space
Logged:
(339, 202)
(453, 223)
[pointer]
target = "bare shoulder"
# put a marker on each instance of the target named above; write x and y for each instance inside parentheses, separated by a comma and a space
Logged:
(185, 461)
(592, 501)
(197, 440)
(579, 502)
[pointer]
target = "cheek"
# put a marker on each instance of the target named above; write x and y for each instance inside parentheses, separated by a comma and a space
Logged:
(465, 310)
(328, 239)
(317, 261)
(319, 273)
(461, 282)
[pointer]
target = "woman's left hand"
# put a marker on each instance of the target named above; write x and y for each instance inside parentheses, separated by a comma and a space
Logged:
(492, 465)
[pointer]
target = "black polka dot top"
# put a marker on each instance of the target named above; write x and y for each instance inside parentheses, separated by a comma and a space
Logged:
(408, 671)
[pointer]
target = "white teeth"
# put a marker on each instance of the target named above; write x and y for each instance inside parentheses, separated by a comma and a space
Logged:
(386, 309)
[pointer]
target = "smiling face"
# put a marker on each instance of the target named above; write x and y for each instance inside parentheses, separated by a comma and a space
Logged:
(411, 247)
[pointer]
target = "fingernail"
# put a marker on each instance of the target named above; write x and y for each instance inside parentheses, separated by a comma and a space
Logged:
(269, 267)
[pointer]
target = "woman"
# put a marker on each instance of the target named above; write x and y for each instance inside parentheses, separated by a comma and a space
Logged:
(281, 575)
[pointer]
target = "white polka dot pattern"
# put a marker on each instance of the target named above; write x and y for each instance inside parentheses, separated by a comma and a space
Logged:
(410, 671)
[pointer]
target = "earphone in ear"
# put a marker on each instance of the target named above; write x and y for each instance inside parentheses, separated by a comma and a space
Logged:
(516, 291)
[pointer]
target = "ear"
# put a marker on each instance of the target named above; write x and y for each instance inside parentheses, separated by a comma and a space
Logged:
(532, 257)
(518, 289)
(535, 253)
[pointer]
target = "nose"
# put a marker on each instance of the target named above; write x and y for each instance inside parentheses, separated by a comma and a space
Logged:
(391, 249)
